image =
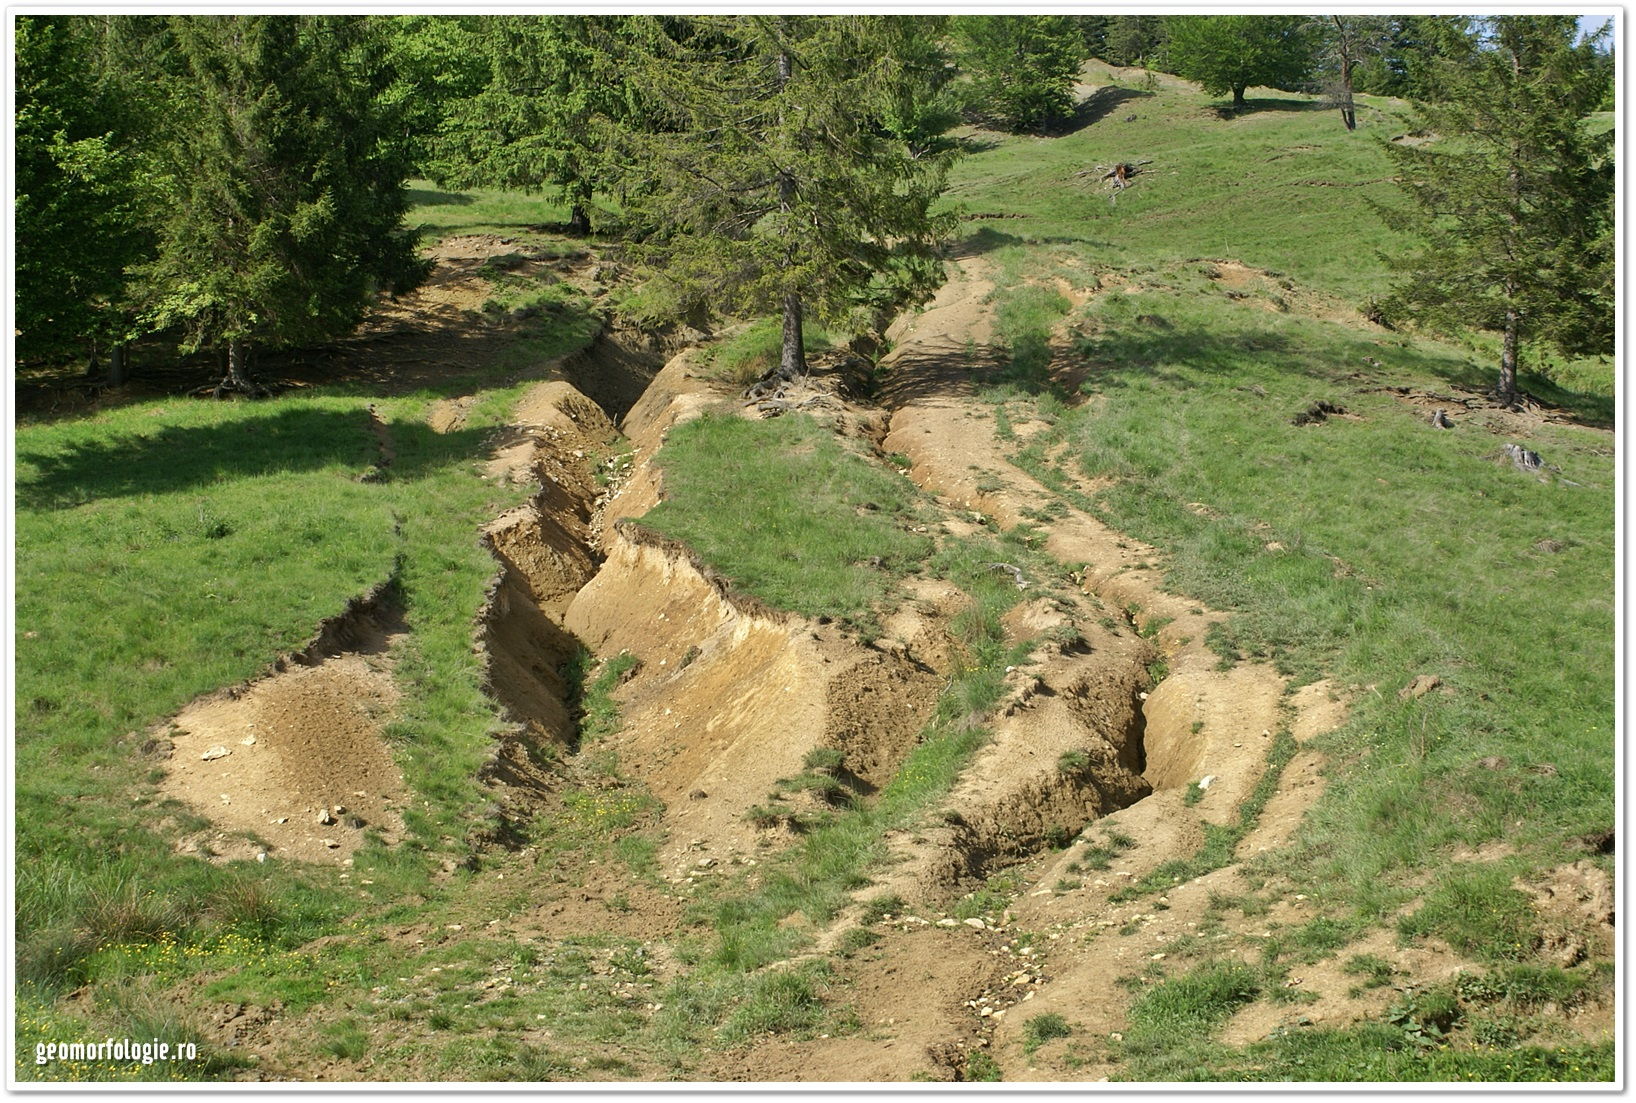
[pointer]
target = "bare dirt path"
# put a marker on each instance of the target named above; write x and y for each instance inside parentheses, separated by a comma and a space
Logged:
(1199, 723)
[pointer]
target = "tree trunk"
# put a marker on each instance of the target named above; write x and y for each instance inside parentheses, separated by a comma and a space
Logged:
(119, 370)
(1347, 114)
(1238, 97)
(792, 360)
(579, 215)
(237, 377)
(1508, 357)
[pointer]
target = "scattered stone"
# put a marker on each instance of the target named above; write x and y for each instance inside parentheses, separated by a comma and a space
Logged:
(214, 753)
(1422, 685)
(976, 924)
(324, 817)
(1523, 459)
(248, 741)
(330, 843)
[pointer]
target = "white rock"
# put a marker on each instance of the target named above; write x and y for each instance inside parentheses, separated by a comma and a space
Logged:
(214, 753)
(1206, 781)
(976, 924)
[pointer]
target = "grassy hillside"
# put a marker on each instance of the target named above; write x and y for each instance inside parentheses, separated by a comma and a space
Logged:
(1283, 186)
(1369, 548)
(171, 547)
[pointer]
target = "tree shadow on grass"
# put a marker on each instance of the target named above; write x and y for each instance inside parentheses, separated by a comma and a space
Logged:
(295, 438)
(986, 239)
(431, 197)
(1150, 348)
(1094, 108)
(445, 350)
(1264, 105)
(1582, 407)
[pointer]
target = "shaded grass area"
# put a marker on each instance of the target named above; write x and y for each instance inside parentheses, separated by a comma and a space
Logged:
(440, 214)
(788, 514)
(755, 350)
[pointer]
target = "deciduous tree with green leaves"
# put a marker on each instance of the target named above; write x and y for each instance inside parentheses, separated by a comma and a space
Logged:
(768, 176)
(1513, 202)
(1230, 53)
(284, 213)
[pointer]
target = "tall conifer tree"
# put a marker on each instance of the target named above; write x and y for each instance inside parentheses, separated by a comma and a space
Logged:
(1514, 201)
(83, 186)
(769, 177)
(533, 124)
(287, 186)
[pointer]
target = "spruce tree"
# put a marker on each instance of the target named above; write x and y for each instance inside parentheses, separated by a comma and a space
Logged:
(1513, 202)
(1135, 39)
(1022, 67)
(767, 176)
(531, 125)
(286, 204)
(83, 185)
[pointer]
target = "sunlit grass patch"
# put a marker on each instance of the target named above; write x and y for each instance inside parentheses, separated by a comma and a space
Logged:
(789, 515)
